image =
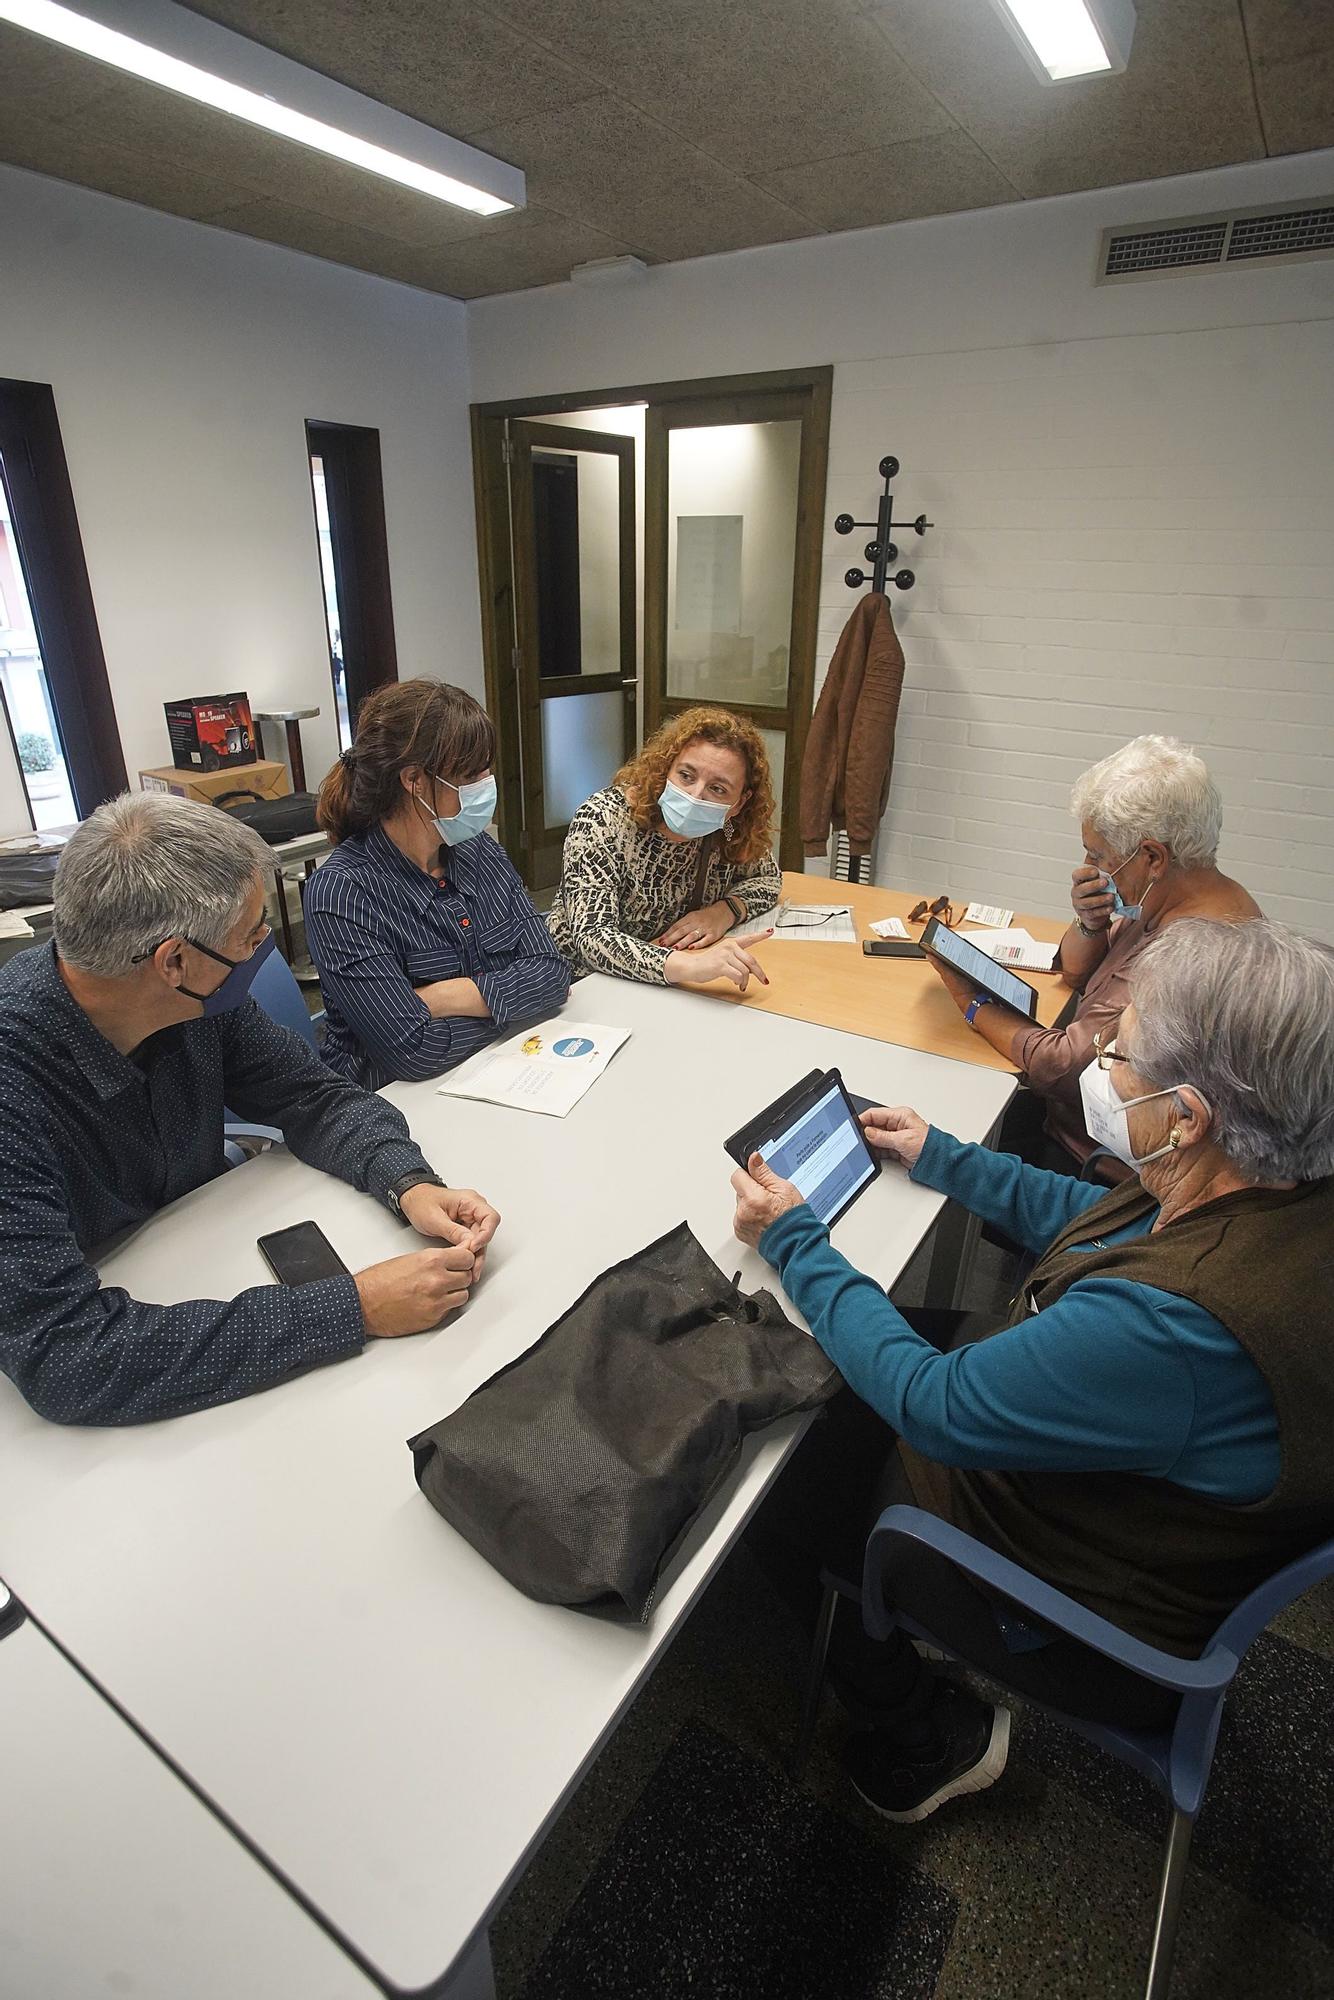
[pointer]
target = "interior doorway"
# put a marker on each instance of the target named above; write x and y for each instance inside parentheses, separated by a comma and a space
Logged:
(595, 629)
(573, 556)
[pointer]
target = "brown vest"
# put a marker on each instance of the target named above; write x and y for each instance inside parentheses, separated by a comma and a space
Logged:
(1162, 1562)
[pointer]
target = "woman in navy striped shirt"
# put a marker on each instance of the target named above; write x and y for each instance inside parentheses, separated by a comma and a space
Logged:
(421, 931)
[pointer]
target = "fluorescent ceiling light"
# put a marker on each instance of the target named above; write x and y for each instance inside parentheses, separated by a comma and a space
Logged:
(1069, 38)
(167, 45)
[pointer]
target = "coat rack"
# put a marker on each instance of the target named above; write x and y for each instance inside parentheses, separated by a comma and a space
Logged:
(883, 550)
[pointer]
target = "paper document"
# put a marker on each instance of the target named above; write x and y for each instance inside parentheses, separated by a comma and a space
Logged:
(547, 1068)
(14, 925)
(890, 927)
(819, 923)
(1016, 947)
(989, 914)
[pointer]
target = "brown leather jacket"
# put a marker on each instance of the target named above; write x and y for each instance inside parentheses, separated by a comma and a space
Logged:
(850, 748)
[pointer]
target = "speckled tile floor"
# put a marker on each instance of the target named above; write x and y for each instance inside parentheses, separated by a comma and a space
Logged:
(688, 1863)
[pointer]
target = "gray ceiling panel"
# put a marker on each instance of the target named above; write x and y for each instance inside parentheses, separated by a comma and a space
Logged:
(677, 128)
(931, 176)
(1184, 103)
(602, 161)
(453, 65)
(1292, 50)
(772, 84)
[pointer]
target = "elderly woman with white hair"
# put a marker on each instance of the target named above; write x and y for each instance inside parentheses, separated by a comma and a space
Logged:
(1148, 1429)
(1150, 819)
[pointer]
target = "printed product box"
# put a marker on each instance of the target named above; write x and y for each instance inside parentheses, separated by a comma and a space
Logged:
(211, 731)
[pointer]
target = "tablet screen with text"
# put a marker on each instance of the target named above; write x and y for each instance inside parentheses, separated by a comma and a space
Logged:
(823, 1153)
(983, 971)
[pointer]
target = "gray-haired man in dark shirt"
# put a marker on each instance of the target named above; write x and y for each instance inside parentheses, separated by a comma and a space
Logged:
(119, 1046)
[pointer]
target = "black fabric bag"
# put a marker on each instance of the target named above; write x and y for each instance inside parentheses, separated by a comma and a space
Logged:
(577, 1468)
(274, 820)
(26, 879)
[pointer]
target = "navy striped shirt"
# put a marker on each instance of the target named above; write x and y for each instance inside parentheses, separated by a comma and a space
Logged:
(378, 927)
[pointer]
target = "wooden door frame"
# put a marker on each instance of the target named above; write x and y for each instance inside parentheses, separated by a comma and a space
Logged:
(537, 436)
(495, 571)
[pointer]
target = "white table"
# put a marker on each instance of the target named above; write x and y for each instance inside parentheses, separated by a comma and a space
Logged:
(263, 1586)
(113, 1877)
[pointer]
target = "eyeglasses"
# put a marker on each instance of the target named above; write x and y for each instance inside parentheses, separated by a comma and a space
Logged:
(812, 923)
(942, 908)
(1109, 1054)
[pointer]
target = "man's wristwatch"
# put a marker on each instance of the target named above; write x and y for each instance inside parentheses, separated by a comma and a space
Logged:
(420, 1177)
(978, 1000)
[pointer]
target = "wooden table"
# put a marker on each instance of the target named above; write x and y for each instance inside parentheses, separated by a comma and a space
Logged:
(897, 1000)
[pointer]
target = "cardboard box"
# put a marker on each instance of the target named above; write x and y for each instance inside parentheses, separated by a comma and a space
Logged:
(266, 778)
(211, 732)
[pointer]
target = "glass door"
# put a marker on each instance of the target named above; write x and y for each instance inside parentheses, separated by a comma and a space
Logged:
(729, 594)
(572, 497)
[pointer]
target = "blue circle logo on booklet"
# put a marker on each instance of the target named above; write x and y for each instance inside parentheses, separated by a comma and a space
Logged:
(573, 1045)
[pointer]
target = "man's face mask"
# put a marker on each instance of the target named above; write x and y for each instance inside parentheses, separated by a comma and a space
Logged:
(235, 988)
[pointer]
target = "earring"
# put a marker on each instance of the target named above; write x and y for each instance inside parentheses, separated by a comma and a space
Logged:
(1174, 1136)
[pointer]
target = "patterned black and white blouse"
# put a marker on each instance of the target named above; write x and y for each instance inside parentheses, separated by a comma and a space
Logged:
(621, 887)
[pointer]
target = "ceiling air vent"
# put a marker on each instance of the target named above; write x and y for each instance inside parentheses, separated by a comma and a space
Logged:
(1291, 234)
(1249, 236)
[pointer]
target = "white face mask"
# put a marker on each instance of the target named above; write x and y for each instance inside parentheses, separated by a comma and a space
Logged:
(1105, 1115)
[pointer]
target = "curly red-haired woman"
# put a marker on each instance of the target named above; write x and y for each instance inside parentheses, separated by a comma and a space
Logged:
(661, 864)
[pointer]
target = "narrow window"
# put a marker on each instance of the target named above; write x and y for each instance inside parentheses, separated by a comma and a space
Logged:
(53, 679)
(354, 564)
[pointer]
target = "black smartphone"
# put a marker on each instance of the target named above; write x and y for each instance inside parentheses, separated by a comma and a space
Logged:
(892, 948)
(301, 1255)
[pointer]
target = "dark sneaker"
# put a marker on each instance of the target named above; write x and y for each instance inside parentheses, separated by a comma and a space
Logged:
(975, 1741)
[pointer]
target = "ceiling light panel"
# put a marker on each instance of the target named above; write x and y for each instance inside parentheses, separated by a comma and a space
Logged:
(167, 45)
(1064, 39)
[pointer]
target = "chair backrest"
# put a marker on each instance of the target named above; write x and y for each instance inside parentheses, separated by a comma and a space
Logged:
(278, 993)
(1190, 1751)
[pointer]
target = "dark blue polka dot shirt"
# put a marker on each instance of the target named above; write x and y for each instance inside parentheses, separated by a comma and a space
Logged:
(93, 1142)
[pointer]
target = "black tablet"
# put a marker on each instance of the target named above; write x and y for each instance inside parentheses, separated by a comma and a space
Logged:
(812, 1137)
(973, 963)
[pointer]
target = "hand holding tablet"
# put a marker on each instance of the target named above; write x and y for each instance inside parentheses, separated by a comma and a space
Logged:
(953, 950)
(812, 1138)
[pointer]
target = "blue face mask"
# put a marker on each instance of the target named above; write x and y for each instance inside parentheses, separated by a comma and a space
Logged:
(477, 809)
(693, 818)
(1120, 908)
(235, 988)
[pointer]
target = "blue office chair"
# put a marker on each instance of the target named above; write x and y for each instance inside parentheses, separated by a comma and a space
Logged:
(1177, 1759)
(278, 993)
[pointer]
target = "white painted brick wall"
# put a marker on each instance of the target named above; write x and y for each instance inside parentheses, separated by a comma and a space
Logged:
(1133, 533)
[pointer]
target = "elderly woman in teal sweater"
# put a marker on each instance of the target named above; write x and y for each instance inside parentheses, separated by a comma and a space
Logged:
(1147, 1429)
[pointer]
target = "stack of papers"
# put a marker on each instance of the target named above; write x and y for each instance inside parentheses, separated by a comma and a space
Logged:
(14, 925)
(547, 1068)
(1015, 947)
